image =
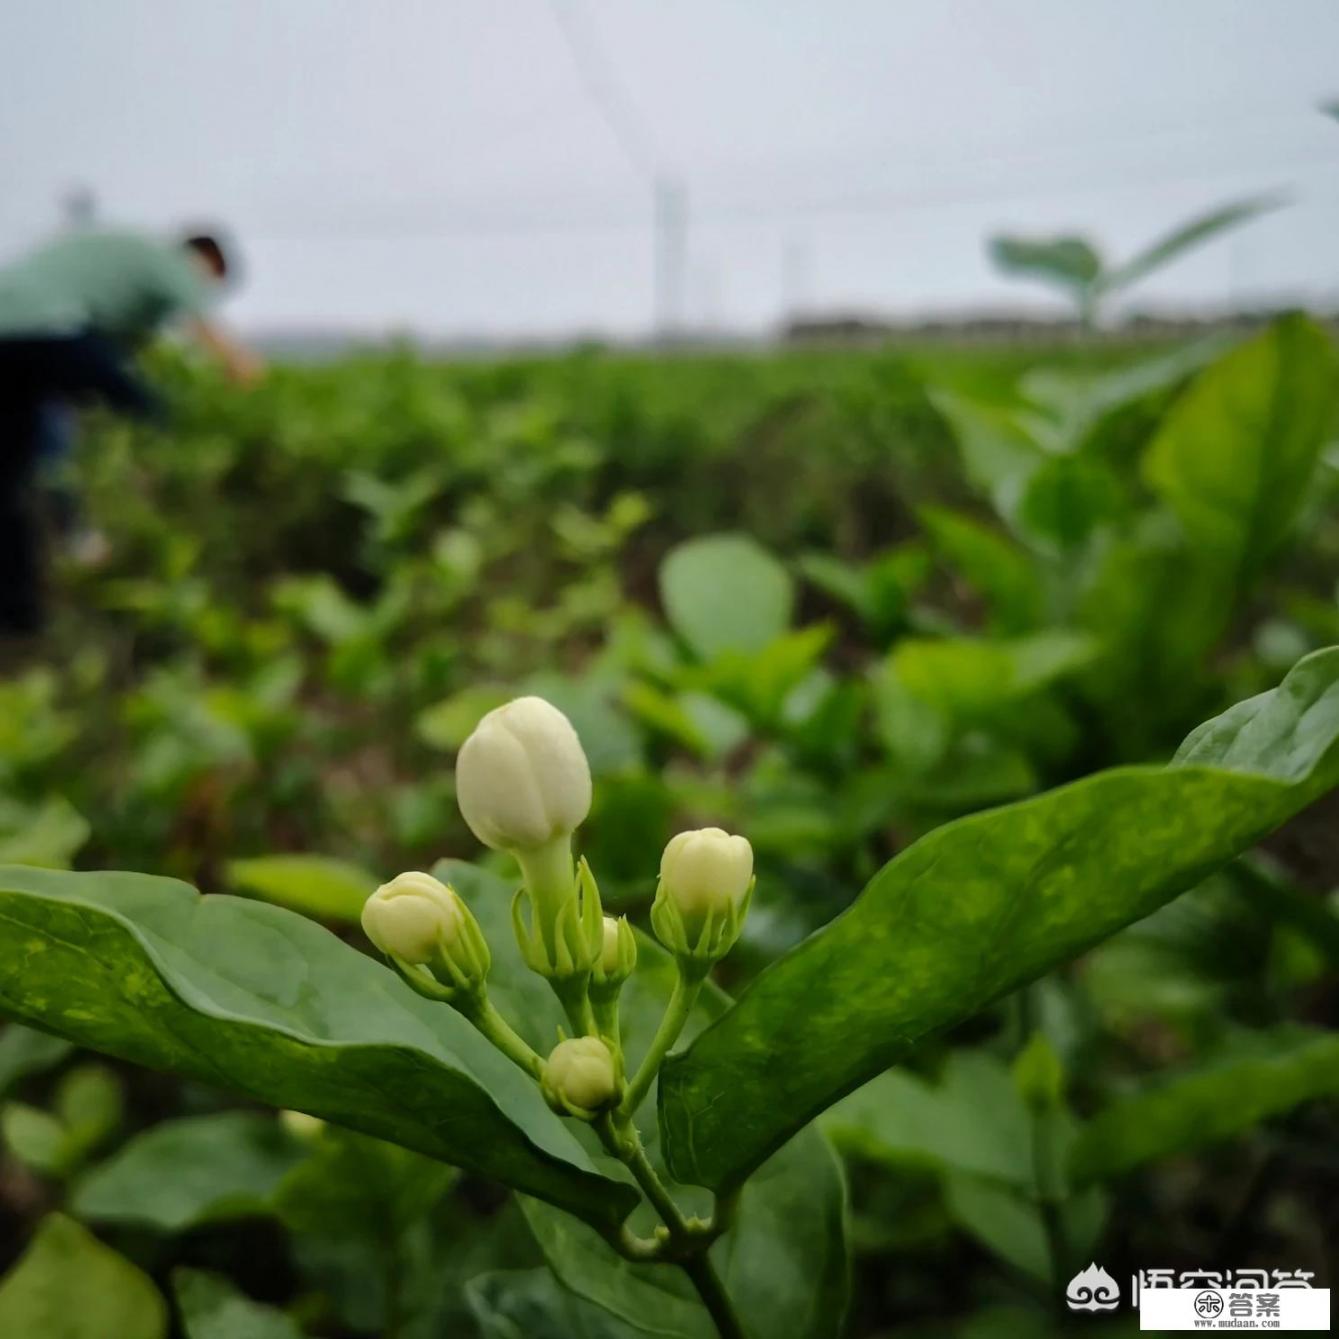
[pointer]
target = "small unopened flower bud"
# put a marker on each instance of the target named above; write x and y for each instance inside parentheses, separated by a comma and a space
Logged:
(580, 1078)
(618, 956)
(706, 880)
(426, 929)
(522, 778)
(609, 946)
(705, 871)
(412, 916)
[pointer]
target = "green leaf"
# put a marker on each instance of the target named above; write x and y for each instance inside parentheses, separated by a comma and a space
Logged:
(316, 885)
(68, 1285)
(1070, 262)
(34, 1136)
(211, 1308)
(353, 1186)
(532, 1304)
(24, 1051)
(1188, 235)
(972, 1121)
(981, 906)
(47, 834)
(1234, 456)
(449, 723)
(1206, 1105)
(261, 1000)
(725, 593)
(185, 1172)
(1006, 577)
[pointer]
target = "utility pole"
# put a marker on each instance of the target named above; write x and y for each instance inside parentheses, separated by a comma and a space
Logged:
(671, 250)
(796, 265)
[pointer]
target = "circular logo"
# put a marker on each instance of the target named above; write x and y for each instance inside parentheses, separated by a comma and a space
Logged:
(1209, 1304)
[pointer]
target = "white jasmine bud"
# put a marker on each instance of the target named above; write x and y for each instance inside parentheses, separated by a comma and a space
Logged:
(412, 916)
(706, 871)
(706, 882)
(522, 779)
(426, 929)
(581, 1078)
(617, 958)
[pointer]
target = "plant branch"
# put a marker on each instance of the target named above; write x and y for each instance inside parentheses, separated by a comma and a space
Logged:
(686, 990)
(501, 1033)
(714, 1297)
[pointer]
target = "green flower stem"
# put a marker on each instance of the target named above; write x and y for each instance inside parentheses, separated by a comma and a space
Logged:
(574, 995)
(687, 984)
(607, 1025)
(550, 879)
(634, 1155)
(485, 1017)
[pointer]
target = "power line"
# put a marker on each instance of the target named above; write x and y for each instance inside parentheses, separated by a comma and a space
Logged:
(593, 68)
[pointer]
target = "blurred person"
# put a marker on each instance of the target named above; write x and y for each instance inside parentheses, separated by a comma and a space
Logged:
(73, 314)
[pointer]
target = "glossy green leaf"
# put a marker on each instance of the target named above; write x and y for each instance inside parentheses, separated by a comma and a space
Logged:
(1207, 1104)
(981, 906)
(185, 1172)
(316, 885)
(211, 1308)
(725, 593)
(261, 1000)
(1234, 456)
(68, 1285)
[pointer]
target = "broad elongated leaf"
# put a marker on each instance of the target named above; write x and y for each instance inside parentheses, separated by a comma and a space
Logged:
(261, 1000)
(316, 885)
(68, 1285)
(726, 593)
(185, 1172)
(973, 1121)
(1235, 454)
(1206, 1105)
(982, 905)
(1184, 238)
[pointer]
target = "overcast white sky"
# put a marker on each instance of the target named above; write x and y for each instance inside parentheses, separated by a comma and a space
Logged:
(444, 166)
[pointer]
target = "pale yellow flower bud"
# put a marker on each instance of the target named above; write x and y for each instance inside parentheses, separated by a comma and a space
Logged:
(413, 917)
(706, 871)
(581, 1078)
